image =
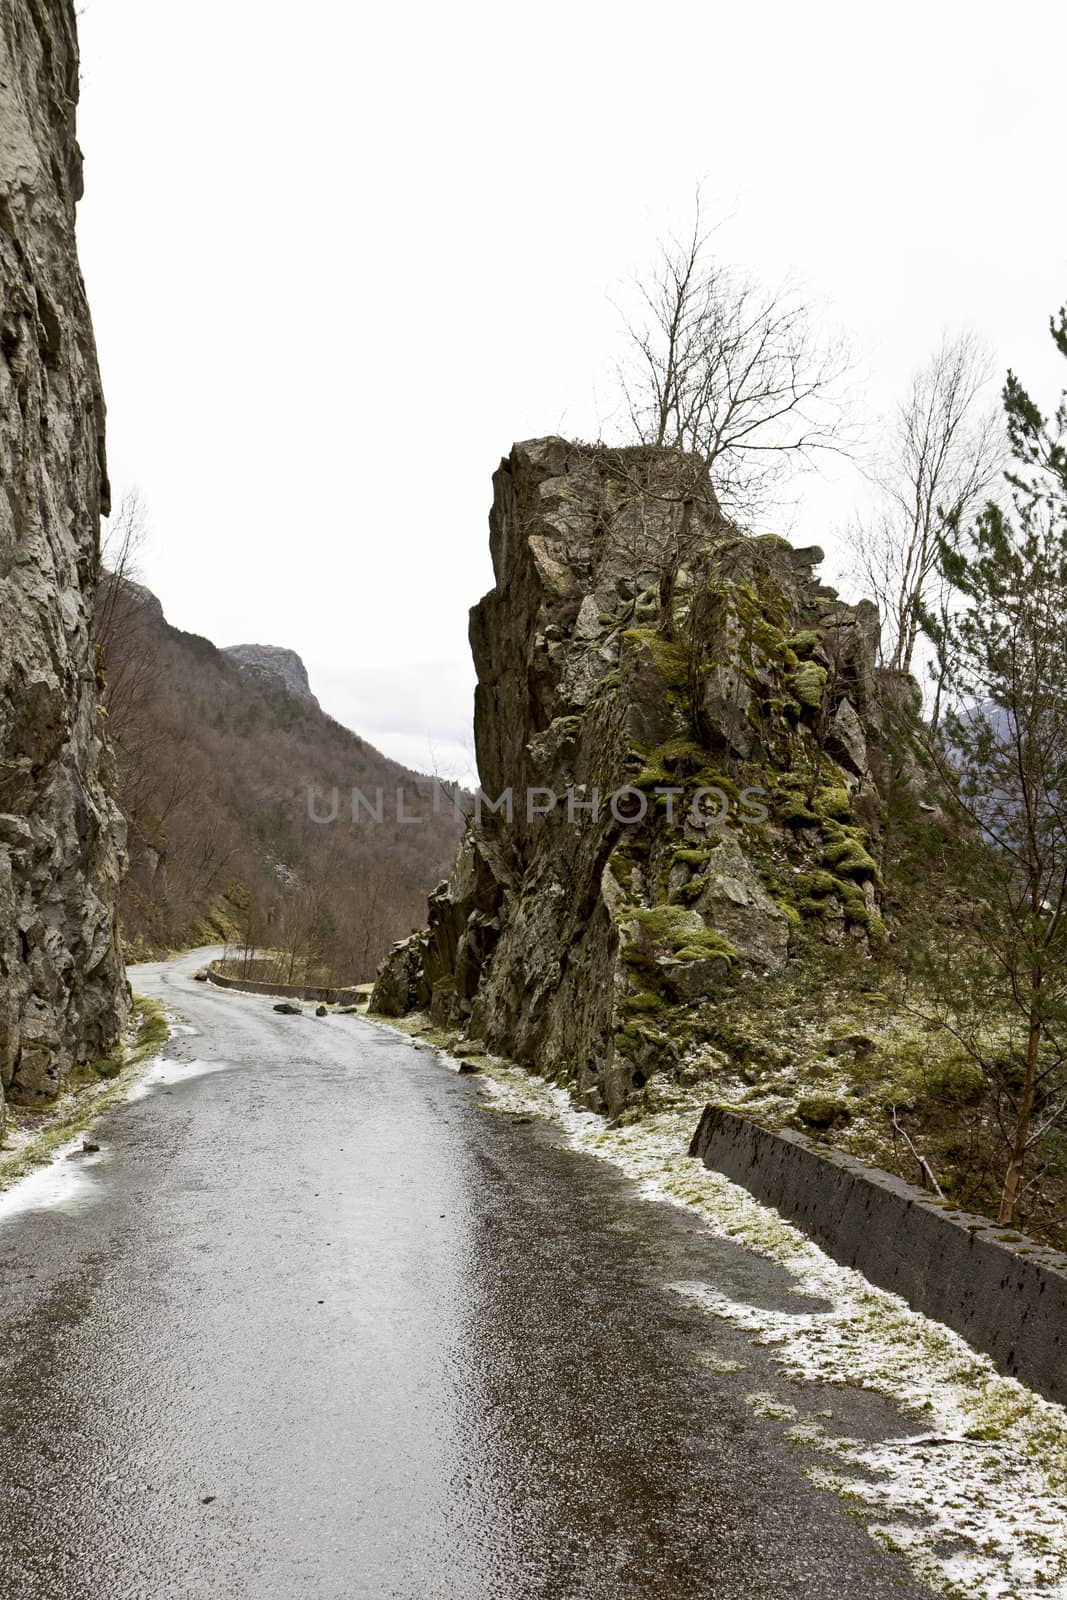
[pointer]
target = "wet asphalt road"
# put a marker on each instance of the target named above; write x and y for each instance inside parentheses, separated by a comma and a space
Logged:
(317, 1324)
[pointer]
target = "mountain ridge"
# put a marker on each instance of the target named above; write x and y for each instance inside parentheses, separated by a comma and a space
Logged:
(227, 772)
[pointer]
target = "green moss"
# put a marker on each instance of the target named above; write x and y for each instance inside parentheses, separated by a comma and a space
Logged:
(638, 1037)
(681, 753)
(684, 933)
(691, 857)
(632, 955)
(688, 892)
(792, 915)
(646, 606)
(819, 882)
(623, 870)
(805, 643)
(610, 680)
(708, 947)
(651, 776)
(671, 659)
(793, 811)
(808, 683)
(926, 1069)
(669, 925)
(810, 908)
(835, 803)
(851, 897)
(645, 1003)
(708, 779)
(823, 1111)
(768, 639)
(848, 857)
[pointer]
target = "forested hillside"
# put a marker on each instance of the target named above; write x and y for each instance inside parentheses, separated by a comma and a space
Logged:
(214, 762)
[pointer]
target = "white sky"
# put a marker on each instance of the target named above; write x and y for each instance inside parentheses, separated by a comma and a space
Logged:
(340, 256)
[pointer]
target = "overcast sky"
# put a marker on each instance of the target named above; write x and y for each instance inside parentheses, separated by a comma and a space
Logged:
(340, 256)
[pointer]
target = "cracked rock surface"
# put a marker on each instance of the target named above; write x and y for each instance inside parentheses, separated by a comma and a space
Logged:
(62, 985)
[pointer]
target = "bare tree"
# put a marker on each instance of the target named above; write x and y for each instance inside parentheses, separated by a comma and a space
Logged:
(728, 371)
(121, 541)
(126, 650)
(944, 452)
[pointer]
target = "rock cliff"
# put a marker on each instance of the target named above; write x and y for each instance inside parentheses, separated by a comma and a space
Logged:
(273, 664)
(62, 987)
(687, 723)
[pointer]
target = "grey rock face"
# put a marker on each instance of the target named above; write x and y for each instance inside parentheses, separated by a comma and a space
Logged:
(62, 985)
(590, 944)
(273, 664)
(401, 985)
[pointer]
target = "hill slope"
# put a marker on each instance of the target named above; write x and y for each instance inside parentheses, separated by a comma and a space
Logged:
(216, 757)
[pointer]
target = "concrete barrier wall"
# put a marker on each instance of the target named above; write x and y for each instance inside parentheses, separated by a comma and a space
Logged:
(1005, 1295)
(287, 991)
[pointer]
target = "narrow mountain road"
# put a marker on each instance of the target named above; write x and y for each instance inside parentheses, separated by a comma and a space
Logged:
(317, 1325)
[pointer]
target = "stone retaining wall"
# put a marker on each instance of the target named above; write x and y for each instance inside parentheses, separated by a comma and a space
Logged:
(289, 991)
(1006, 1295)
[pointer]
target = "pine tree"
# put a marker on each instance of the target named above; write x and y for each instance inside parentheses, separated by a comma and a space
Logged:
(1003, 644)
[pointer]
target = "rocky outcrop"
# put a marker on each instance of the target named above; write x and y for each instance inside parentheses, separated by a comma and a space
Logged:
(681, 717)
(276, 666)
(62, 987)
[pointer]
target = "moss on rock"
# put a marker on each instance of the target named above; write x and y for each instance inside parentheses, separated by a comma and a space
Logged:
(805, 643)
(834, 803)
(684, 933)
(808, 684)
(849, 858)
(670, 658)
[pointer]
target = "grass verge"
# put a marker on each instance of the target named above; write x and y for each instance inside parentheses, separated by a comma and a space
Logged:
(32, 1136)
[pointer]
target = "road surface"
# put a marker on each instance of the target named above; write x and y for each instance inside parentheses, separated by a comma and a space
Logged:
(317, 1325)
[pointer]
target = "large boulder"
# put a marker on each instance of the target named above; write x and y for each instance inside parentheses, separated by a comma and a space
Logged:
(670, 741)
(401, 985)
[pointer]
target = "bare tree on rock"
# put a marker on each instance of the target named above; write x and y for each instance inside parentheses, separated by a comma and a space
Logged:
(944, 450)
(724, 370)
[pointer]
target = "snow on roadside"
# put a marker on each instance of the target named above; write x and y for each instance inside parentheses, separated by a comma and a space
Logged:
(64, 1181)
(163, 1073)
(978, 1501)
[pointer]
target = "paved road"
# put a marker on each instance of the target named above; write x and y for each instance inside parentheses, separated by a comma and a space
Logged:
(316, 1324)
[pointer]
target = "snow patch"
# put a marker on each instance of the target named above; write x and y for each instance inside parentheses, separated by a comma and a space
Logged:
(977, 1502)
(66, 1183)
(163, 1074)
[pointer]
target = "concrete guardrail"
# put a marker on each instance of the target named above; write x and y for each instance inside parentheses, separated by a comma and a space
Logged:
(1004, 1294)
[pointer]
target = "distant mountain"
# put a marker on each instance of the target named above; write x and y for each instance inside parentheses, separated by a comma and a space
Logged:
(272, 664)
(215, 753)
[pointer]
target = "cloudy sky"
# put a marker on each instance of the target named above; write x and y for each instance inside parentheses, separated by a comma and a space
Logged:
(340, 256)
